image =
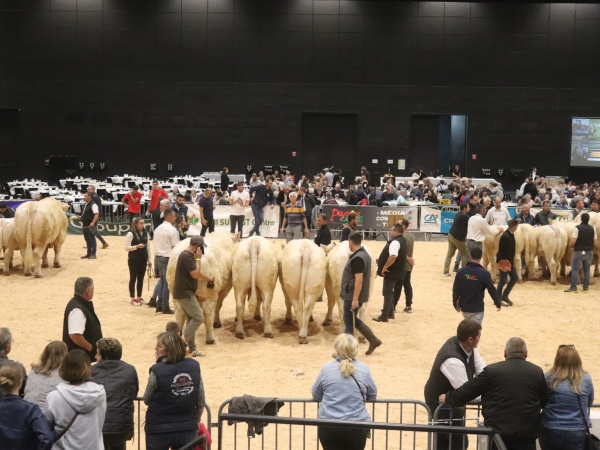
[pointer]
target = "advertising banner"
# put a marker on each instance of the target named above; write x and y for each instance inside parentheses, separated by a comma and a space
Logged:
(430, 220)
(269, 227)
(447, 221)
(370, 217)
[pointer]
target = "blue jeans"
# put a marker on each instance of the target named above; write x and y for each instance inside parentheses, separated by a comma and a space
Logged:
(348, 311)
(174, 440)
(90, 240)
(513, 279)
(561, 439)
(259, 216)
(580, 259)
(162, 299)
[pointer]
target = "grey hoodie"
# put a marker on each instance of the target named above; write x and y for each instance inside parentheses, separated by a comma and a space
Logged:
(89, 400)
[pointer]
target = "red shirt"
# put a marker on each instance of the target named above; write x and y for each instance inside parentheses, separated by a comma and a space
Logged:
(156, 194)
(134, 208)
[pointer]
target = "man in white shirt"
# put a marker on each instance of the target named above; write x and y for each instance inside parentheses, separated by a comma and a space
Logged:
(238, 200)
(166, 237)
(478, 229)
(498, 215)
(457, 362)
(173, 195)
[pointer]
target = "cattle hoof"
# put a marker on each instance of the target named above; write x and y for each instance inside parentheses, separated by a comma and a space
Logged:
(45, 266)
(326, 322)
(269, 335)
(239, 335)
(303, 340)
(311, 319)
(257, 318)
(362, 339)
(217, 325)
(210, 342)
(27, 274)
(553, 283)
(287, 322)
(39, 275)
(57, 265)
(6, 273)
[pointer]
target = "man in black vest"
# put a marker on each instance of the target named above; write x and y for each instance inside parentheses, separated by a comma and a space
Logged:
(584, 239)
(506, 252)
(98, 201)
(81, 326)
(457, 362)
(391, 265)
(356, 280)
(89, 218)
(513, 392)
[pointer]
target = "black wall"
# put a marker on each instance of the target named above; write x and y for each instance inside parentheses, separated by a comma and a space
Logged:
(208, 83)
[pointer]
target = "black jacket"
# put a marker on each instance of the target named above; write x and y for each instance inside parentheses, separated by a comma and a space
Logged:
(224, 182)
(120, 381)
(460, 226)
(469, 288)
(512, 394)
(262, 197)
(93, 329)
(506, 247)
(323, 235)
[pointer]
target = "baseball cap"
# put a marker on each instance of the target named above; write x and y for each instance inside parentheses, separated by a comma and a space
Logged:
(198, 240)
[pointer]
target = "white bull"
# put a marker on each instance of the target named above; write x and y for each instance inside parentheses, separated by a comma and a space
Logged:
(216, 262)
(337, 257)
(302, 276)
(490, 249)
(39, 226)
(549, 243)
(8, 242)
(254, 274)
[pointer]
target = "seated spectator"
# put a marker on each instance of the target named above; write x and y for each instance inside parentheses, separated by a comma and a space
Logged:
(174, 411)
(565, 417)
(389, 194)
(76, 410)
(5, 348)
(121, 385)
(401, 200)
(221, 200)
(43, 377)
(22, 424)
(431, 196)
(329, 200)
(343, 387)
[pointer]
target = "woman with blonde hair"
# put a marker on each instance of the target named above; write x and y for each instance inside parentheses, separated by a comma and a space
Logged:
(343, 387)
(22, 424)
(44, 376)
(565, 418)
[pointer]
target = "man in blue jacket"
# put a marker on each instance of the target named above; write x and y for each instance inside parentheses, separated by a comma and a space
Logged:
(469, 288)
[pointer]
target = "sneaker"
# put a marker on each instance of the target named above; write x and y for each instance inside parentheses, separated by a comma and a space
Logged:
(380, 319)
(168, 311)
(85, 257)
(408, 309)
(585, 291)
(92, 257)
(571, 291)
(196, 354)
(141, 301)
(152, 303)
(134, 302)
(447, 274)
(105, 245)
(506, 302)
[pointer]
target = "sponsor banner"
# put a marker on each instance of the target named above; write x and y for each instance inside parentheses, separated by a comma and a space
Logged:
(512, 212)
(562, 214)
(447, 219)
(430, 220)
(269, 227)
(370, 217)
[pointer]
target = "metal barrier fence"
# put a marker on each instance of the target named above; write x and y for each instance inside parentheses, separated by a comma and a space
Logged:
(200, 441)
(422, 432)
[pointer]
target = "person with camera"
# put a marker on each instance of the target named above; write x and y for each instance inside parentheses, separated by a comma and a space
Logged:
(185, 286)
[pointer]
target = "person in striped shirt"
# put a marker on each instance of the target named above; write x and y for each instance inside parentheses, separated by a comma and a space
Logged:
(294, 218)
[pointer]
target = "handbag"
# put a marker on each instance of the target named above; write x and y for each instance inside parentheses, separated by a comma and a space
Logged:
(591, 441)
(62, 433)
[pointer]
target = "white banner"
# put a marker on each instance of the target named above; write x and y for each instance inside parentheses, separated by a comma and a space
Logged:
(269, 228)
(430, 221)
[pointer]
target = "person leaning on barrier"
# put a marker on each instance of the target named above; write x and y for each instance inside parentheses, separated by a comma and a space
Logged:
(457, 362)
(565, 417)
(120, 381)
(513, 392)
(343, 386)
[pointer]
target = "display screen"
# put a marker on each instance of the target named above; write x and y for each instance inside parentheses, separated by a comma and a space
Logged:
(585, 141)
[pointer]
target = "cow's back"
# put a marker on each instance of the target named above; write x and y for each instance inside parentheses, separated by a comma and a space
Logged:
(294, 259)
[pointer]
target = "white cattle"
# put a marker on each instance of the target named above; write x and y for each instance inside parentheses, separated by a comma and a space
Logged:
(549, 243)
(337, 257)
(522, 248)
(567, 258)
(490, 249)
(302, 276)
(254, 274)
(216, 263)
(39, 226)
(8, 242)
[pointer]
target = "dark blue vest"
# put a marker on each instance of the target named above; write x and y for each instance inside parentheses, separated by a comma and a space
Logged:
(174, 405)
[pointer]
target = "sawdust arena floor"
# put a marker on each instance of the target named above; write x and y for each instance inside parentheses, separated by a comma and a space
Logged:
(542, 314)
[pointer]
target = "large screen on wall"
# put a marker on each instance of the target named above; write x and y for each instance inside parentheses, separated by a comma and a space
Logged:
(585, 141)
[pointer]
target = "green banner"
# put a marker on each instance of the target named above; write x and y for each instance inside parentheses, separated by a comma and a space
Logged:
(105, 228)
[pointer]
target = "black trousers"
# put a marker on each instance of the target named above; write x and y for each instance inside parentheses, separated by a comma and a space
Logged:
(210, 226)
(137, 271)
(239, 222)
(342, 438)
(130, 217)
(117, 441)
(408, 291)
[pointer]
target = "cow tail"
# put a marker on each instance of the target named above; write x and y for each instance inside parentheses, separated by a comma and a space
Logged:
(253, 247)
(29, 241)
(305, 255)
(525, 232)
(2, 226)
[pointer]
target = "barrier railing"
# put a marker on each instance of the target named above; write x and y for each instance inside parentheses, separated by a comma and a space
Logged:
(421, 430)
(207, 414)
